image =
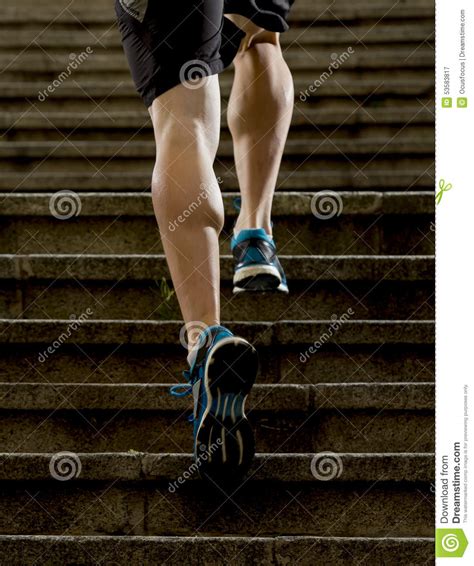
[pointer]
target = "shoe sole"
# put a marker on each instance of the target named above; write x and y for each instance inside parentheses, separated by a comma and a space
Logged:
(258, 286)
(257, 278)
(225, 442)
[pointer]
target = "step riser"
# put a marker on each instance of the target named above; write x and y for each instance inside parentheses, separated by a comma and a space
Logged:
(317, 152)
(122, 430)
(105, 508)
(86, 330)
(334, 118)
(401, 83)
(89, 111)
(306, 301)
(305, 551)
(47, 132)
(344, 178)
(96, 364)
(341, 235)
(110, 63)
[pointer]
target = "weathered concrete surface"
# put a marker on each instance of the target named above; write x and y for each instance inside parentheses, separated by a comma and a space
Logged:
(175, 551)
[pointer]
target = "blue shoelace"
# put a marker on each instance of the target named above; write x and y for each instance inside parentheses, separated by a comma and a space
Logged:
(184, 389)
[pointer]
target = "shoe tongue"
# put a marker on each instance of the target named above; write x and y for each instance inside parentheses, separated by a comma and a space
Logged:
(207, 337)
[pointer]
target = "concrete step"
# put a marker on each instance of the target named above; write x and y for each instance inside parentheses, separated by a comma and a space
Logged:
(138, 268)
(96, 204)
(111, 105)
(155, 363)
(304, 131)
(308, 147)
(131, 494)
(388, 174)
(158, 467)
(17, 35)
(131, 287)
(265, 398)
(111, 62)
(123, 223)
(304, 138)
(395, 417)
(148, 352)
(280, 333)
(346, 117)
(403, 83)
(220, 551)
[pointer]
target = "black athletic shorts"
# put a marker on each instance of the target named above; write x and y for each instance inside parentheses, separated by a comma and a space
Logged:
(168, 42)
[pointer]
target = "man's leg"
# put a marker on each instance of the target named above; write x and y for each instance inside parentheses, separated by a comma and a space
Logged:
(189, 209)
(186, 196)
(259, 117)
(188, 206)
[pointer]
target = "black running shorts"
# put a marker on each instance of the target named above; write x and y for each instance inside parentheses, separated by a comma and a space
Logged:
(168, 42)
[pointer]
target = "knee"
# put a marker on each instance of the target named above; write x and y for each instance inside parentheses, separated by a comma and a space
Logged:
(187, 121)
(185, 135)
(260, 43)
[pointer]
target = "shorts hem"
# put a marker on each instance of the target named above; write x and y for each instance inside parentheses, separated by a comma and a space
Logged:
(153, 90)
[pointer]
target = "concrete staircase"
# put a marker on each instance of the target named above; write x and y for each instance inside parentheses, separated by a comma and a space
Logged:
(343, 412)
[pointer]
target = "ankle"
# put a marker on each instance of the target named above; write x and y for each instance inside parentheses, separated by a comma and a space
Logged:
(252, 224)
(194, 332)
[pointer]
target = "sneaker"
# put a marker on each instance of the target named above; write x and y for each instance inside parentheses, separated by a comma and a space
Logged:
(256, 264)
(223, 368)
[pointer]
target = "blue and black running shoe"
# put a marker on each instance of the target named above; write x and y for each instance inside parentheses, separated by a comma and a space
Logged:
(257, 267)
(223, 369)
